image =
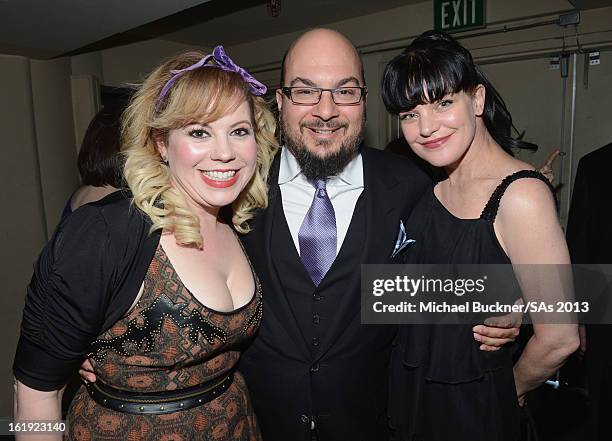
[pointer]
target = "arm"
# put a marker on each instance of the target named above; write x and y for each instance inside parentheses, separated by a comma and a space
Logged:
(34, 405)
(529, 231)
(498, 331)
(64, 307)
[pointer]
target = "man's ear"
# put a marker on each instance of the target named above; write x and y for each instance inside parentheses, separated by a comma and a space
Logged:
(279, 99)
(478, 99)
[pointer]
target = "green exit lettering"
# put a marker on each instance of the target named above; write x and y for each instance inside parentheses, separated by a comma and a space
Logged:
(451, 15)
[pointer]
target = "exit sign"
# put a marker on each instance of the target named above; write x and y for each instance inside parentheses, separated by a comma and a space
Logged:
(454, 15)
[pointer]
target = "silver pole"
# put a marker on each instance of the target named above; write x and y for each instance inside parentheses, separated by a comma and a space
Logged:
(571, 140)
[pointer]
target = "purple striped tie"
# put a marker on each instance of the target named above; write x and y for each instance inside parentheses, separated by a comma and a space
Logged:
(317, 235)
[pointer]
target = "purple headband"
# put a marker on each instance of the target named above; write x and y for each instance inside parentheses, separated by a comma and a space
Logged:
(224, 63)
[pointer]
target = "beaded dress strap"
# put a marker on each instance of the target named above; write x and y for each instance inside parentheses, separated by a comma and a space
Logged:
(490, 210)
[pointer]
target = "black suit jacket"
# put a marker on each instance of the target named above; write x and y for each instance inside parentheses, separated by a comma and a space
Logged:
(341, 389)
(589, 235)
(589, 238)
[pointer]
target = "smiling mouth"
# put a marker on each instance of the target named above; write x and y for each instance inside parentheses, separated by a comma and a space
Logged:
(436, 142)
(219, 175)
(324, 132)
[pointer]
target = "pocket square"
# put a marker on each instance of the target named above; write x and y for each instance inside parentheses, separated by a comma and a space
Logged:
(402, 240)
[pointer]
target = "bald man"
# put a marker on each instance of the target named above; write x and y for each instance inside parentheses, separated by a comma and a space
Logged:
(314, 372)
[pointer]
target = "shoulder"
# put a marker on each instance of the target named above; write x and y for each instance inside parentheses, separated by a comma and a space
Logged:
(119, 212)
(527, 224)
(401, 167)
(526, 197)
(382, 158)
(111, 218)
(597, 159)
(115, 203)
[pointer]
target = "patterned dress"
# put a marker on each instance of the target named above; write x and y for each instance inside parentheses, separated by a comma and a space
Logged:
(188, 345)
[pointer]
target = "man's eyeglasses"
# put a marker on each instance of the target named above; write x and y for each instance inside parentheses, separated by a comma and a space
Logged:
(309, 96)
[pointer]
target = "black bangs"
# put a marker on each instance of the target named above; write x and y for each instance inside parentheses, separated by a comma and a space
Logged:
(425, 75)
(435, 65)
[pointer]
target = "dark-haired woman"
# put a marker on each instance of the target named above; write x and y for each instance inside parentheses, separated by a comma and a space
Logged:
(490, 208)
(99, 161)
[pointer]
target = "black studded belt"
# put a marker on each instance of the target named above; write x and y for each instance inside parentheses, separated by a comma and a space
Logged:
(158, 402)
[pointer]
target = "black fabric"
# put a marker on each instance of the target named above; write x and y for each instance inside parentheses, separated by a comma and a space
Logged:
(344, 384)
(314, 307)
(84, 280)
(293, 276)
(589, 238)
(589, 235)
(439, 371)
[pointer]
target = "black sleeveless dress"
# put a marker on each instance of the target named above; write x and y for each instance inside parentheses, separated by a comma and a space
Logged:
(442, 386)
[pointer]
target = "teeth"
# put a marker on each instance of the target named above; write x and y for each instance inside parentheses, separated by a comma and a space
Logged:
(324, 132)
(220, 176)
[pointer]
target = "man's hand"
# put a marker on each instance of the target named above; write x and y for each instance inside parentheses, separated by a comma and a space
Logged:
(493, 338)
(498, 331)
(86, 372)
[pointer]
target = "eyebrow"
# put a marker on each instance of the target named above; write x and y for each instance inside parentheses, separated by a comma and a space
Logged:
(311, 83)
(244, 121)
(207, 126)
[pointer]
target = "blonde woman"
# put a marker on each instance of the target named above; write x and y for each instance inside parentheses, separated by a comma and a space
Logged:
(153, 286)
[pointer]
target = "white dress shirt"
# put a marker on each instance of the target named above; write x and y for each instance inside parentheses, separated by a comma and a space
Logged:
(297, 194)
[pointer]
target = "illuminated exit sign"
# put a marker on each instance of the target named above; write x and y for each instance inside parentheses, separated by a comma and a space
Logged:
(454, 15)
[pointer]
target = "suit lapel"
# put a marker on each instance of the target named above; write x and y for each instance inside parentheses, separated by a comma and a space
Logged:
(382, 210)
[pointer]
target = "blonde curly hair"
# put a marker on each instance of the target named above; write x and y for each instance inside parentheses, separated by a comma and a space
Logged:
(203, 95)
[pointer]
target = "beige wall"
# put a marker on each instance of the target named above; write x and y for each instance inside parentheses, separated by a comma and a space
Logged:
(86, 102)
(39, 173)
(88, 64)
(131, 63)
(52, 103)
(22, 225)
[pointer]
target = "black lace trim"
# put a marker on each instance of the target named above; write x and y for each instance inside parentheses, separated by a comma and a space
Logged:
(490, 210)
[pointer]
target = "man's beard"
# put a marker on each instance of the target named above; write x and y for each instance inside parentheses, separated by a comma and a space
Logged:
(314, 167)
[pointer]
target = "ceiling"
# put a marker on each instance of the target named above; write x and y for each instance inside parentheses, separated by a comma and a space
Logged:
(52, 28)
(590, 4)
(255, 22)
(47, 28)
